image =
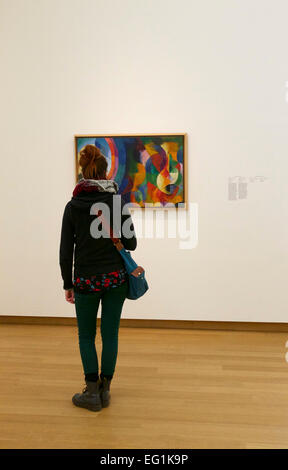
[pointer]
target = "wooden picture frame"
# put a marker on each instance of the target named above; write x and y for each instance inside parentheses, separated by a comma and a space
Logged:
(114, 146)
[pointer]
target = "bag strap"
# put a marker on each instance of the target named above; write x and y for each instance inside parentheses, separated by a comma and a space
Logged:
(116, 241)
(139, 270)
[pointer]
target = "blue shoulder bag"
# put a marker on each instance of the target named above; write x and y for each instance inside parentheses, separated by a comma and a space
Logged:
(136, 274)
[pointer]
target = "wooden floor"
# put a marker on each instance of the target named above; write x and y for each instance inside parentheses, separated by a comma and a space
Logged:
(171, 389)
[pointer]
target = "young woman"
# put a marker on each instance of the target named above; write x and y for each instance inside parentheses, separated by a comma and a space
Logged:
(99, 272)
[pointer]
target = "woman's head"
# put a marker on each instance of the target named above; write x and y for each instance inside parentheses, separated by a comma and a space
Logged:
(93, 163)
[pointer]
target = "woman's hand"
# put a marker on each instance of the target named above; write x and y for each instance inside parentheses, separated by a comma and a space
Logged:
(69, 296)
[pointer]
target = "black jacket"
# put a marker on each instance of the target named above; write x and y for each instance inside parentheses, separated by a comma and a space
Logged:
(92, 255)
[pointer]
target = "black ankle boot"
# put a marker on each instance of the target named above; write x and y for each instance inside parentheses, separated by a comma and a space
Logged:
(90, 396)
(105, 391)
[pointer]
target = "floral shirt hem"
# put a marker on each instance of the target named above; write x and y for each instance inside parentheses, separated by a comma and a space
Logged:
(100, 282)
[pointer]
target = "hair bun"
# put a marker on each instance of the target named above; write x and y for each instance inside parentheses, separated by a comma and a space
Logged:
(98, 153)
(93, 162)
(89, 154)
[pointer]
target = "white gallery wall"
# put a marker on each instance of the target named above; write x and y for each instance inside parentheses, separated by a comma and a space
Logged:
(216, 70)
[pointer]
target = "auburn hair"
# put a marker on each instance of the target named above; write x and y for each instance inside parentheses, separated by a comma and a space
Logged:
(93, 163)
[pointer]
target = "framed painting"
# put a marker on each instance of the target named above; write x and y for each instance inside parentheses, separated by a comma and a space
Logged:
(150, 169)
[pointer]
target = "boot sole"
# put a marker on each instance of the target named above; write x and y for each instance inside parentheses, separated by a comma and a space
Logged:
(87, 407)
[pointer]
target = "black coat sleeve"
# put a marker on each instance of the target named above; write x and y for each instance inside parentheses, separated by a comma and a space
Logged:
(129, 242)
(66, 250)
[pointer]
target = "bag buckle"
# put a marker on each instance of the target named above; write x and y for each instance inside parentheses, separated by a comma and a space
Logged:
(137, 271)
(118, 245)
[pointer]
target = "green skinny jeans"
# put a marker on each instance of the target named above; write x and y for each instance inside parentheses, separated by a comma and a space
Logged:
(86, 306)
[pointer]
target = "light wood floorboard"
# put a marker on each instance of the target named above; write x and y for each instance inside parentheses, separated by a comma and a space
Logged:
(171, 389)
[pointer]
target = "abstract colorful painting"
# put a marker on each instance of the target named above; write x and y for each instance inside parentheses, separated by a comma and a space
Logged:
(149, 169)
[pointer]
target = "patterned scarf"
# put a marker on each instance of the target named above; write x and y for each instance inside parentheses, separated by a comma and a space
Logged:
(109, 186)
